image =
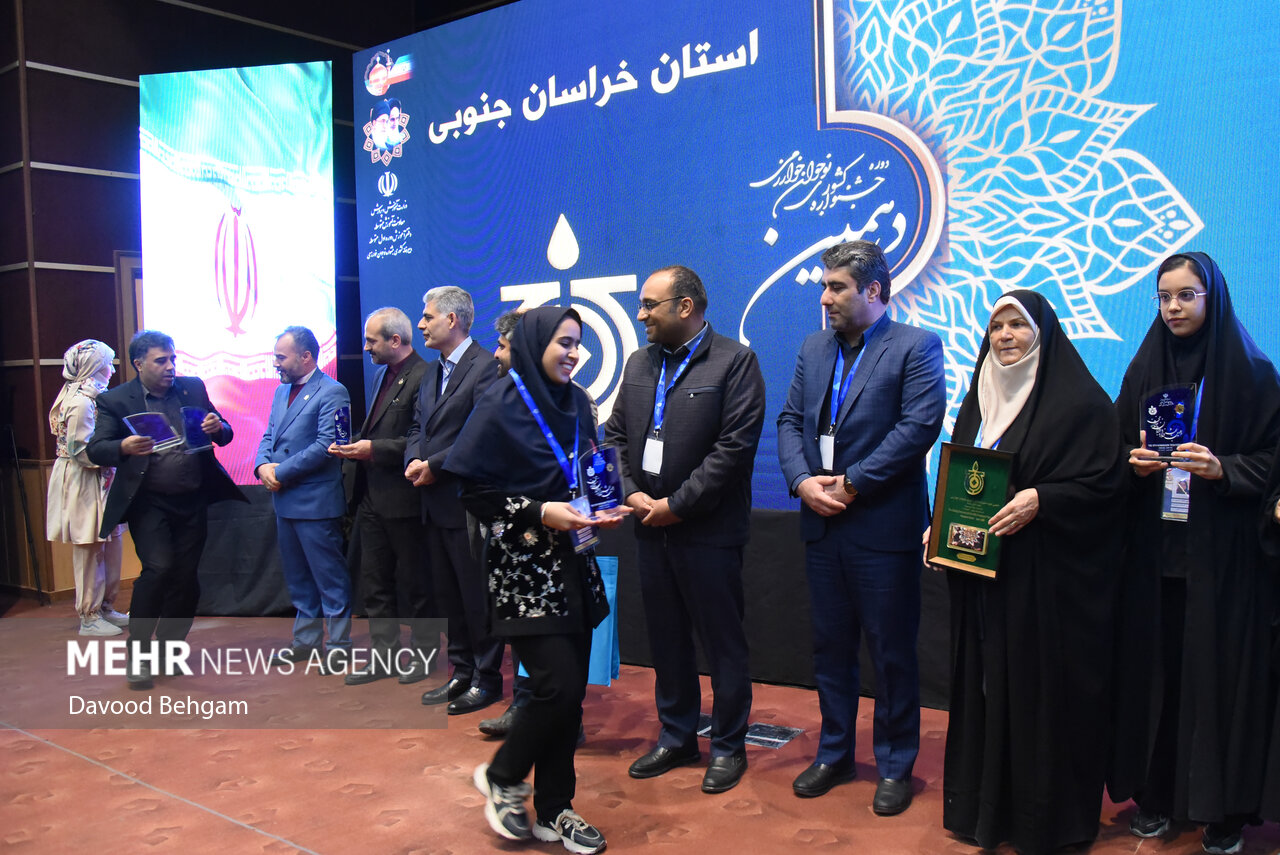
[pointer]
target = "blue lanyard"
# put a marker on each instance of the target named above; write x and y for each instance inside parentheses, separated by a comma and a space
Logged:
(978, 441)
(566, 464)
(660, 397)
(841, 389)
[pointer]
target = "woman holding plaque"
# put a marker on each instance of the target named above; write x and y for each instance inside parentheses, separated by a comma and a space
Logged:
(78, 489)
(518, 458)
(1196, 603)
(1025, 758)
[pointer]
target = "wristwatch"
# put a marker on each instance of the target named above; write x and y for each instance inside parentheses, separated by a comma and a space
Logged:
(850, 490)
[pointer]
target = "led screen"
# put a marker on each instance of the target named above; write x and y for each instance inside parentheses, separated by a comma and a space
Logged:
(237, 229)
(557, 152)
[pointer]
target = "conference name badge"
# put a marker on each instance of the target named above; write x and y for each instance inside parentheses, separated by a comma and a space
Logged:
(652, 460)
(1175, 502)
(827, 451)
(584, 539)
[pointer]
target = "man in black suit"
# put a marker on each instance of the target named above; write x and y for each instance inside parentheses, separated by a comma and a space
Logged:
(450, 387)
(388, 516)
(687, 422)
(163, 496)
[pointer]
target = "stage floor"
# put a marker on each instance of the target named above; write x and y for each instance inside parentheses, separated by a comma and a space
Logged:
(409, 790)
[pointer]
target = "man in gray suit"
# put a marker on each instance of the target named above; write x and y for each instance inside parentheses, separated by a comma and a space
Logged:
(687, 422)
(449, 390)
(388, 517)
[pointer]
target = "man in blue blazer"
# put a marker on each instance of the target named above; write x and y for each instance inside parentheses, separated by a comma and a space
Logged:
(450, 388)
(306, 482)
(864, 408)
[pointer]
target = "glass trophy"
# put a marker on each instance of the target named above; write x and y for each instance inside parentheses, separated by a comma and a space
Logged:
(602, 477)
(1169, 416)
(197, 439)
(342, 426)
(155, 426)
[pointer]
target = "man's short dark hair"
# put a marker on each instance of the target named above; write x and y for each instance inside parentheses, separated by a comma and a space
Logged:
(865, 262)
(144, 340)
(685, 283)
(304, 340)
(506, 323)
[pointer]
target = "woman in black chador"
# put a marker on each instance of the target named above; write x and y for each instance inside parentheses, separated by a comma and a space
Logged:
(1031, 650)
(517, 456)
(1192, 698)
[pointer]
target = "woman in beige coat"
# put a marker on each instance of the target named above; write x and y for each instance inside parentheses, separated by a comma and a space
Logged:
(78, 489)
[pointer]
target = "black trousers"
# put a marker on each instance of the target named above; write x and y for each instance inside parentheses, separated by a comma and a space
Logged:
(544, 737)
(687, 590)
(395, 580)
(168, 532)
(461, 590)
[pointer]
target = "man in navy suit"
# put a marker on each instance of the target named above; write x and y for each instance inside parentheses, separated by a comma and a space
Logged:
(306, 482)
(864, 408)
(163, 496)
(450, 388)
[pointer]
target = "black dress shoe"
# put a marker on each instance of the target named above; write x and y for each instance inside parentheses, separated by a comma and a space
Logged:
(501, 725)
(820, 777)
(662, 760)
(893, 796)
(448, 692)
(334, 661)
(414, 672)
(366, 675)
(724, 773)
(473, 700)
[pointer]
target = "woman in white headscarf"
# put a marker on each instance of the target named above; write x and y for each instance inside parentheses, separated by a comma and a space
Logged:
(78, 489)
(1031, 649)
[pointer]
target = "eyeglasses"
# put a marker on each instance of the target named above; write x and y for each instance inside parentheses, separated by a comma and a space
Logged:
(1183, 297)
(650, 305)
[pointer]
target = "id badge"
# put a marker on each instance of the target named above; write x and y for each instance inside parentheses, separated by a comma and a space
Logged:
(827, 451)
(652, 461)
(1175, 503)
(583, 538)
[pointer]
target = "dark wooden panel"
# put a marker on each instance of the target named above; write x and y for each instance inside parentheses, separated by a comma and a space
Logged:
(84, 219)
(72, 305)
(13, 234)
(126, 38)
(17, 408)
(8, 33)
(10, 119)
(82, 122)
(15, 320)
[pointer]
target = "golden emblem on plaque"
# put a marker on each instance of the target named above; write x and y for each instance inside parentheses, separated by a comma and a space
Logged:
(975, 481)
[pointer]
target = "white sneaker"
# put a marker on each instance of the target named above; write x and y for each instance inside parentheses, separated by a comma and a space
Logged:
(98, 627)
(113, 617)
(504, 806)
(573, 831)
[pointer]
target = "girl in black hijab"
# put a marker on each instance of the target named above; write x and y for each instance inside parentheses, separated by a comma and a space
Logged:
(518, 458)
(1031, 649)
(1196, 606)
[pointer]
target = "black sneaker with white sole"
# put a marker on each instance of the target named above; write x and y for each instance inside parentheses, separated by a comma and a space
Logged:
(1221, 839)
(573, 831)
(1148, 824)
(504, 806)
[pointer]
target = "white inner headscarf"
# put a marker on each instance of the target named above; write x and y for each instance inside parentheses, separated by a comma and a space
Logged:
(80, 365)
(1003, 390)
